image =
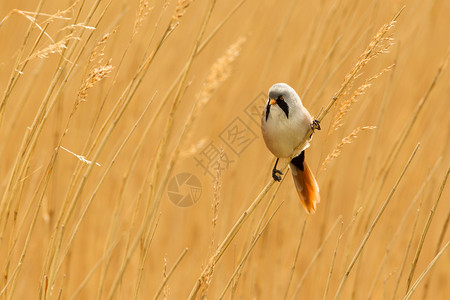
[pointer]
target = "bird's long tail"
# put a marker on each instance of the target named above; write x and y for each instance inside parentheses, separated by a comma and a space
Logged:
(306, 184)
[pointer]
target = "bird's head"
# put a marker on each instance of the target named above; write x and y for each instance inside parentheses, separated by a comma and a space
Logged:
(284, 97)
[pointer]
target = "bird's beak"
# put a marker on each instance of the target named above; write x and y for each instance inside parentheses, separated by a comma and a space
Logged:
(272, 102)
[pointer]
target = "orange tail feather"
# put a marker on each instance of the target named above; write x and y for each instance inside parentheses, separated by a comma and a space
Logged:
(307, 187)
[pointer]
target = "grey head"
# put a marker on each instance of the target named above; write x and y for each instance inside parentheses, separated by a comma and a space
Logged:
(284, 97)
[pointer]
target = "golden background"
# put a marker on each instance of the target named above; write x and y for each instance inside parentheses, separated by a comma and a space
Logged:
(86, 231)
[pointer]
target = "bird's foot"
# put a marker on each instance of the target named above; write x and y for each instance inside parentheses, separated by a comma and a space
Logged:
(315, 125)
(275, 176)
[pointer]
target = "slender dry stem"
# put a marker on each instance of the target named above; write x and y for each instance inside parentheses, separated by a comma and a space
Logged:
(425, 272)
(249, 249)
(425, 231)
(167, 277)
(313, 260)
(400, 229)
(391, 157)
(408, 247)
(294, 263)
(333, 260)
(426, 286)
(373, 224)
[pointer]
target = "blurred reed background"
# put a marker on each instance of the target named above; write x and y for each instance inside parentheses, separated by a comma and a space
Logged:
(105, 102)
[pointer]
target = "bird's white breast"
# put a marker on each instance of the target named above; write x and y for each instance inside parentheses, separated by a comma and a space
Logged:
(283, 134)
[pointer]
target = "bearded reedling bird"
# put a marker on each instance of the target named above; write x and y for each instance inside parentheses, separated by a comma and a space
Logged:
(284, 124)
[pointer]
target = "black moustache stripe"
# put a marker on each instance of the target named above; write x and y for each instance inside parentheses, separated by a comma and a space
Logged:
(283, 105)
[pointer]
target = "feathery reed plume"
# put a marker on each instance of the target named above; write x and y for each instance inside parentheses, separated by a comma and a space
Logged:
(98, 71)
(379, 44)
(345, 105)
(220, 71)
(180, 10)
(60, 14)
(166, 287)
(346, 140)
(215, 205)
(206, 276)
(143, 10)
(98, 51)
(94, 76)
(57, 47)
(216, 196)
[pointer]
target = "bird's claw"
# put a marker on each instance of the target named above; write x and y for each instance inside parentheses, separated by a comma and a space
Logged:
(275, 176)
(315, 125)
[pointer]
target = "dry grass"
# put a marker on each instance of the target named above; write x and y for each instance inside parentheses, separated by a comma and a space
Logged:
(104, 102)
(346, 140)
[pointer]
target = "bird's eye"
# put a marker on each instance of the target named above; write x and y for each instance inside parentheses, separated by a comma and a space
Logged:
(281, 98)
